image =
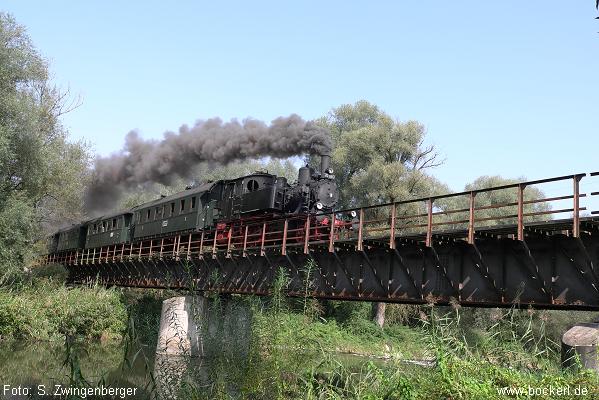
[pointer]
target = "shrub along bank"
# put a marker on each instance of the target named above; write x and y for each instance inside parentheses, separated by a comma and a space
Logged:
(47, 310)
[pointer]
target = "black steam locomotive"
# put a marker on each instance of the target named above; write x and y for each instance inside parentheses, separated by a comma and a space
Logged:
(211, 205)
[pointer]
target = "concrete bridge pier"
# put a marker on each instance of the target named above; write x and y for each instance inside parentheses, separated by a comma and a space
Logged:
(581, 343)
(194, 330)
(180, 326)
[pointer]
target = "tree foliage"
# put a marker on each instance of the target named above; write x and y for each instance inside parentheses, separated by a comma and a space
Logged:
(496, 207)
(378, 159)
(42, 174)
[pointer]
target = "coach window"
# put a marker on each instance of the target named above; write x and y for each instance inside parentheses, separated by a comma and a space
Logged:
(114, 223)
(172, 208)
(193, 203)
(126, 222)
(182, 206)
(157, 213)
(148, 213)
(103, 226)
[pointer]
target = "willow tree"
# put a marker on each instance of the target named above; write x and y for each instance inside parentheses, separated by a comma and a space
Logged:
(41, 173)
(377, 158)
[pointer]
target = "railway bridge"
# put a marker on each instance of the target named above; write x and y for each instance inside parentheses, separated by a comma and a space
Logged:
(465, 248)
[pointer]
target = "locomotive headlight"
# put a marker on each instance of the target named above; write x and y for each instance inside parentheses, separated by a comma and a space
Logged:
(353, 214)
(319, 205)
(330, 171)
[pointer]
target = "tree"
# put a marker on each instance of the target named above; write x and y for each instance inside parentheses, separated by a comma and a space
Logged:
(378, 159)
(41, 173)
(489, 204)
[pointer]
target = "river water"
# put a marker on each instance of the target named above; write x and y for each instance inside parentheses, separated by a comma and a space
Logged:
(31, 369)
(28, 370)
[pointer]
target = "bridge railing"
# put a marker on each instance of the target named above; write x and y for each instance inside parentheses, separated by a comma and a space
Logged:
(508, 209)
(465, 212)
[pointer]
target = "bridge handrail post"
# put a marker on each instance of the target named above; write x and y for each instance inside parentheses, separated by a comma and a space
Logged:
(262, 251)
(332, 235)
(214, 242)
(471, 219)
(576, 211)
(360, 246)
(122, 251)
(521, 188)
(392, 231)
(429, 223)
(307, 236)
(178, 242)
(229, 235)
(245, 242)
(284, 244)
(189, 247)
(201, 252)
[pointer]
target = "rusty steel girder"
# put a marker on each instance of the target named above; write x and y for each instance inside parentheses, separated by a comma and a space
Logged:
(542, 271)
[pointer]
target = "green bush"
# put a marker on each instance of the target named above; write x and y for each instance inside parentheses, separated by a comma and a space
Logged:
(47, 311)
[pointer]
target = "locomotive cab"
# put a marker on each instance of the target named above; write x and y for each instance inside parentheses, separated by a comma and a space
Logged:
(256, 193)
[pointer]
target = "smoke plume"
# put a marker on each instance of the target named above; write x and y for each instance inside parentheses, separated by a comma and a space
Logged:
(146, 161)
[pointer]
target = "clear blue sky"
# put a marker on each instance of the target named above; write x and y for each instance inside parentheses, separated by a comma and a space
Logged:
(504, 87)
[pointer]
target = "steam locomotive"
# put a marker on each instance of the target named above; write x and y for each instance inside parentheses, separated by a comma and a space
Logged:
(216, 204)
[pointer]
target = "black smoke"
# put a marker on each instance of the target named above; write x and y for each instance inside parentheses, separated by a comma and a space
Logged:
(150, 161)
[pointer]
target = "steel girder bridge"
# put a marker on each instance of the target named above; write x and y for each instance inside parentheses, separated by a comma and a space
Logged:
(463, 248)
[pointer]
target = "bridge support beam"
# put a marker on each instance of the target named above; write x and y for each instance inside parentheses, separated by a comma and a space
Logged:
(581, 343)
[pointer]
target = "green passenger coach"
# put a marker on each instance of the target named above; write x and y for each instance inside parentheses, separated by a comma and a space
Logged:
(186, 211)
(109, 230)
(71, 238)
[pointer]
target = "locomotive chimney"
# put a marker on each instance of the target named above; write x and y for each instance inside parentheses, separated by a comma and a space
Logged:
(325, 162)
